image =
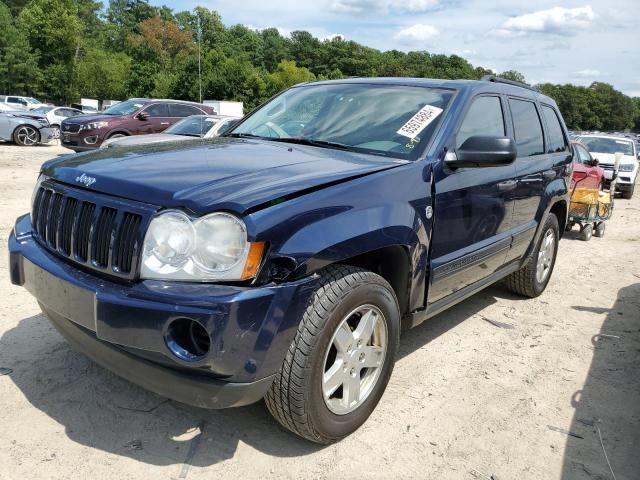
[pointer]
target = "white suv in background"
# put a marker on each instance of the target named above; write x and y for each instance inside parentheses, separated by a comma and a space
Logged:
(21, 103)
(604, 148)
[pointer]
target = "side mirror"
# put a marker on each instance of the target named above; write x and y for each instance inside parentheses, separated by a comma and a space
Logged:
(143, 116)
(480, 151)
(595, 162)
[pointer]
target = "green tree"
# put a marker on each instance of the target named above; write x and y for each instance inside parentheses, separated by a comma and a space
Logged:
(19, 71)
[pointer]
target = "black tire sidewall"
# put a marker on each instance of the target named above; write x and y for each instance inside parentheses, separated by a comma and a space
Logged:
(327, 423)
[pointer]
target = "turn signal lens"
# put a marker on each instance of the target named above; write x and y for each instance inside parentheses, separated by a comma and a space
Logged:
(254, 258)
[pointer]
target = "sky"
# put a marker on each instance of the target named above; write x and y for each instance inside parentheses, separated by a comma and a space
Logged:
(548, 41)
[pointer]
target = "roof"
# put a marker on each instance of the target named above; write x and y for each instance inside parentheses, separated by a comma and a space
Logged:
(164, 100)
(464, 85)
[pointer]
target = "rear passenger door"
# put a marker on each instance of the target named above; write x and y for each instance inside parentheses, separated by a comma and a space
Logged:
(473, 209)
(536, 166)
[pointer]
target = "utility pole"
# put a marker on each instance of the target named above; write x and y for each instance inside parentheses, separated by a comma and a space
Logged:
(199, 57)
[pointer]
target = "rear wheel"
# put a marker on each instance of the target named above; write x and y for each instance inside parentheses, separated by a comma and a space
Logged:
(56, 131)
(340, 361)
(26, 136)
(532, 279)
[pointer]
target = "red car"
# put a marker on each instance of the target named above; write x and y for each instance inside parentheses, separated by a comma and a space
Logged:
(586, 171)
(137, 116)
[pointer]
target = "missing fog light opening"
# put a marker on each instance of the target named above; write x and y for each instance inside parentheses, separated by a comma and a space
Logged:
(91, 140)
(188, 340)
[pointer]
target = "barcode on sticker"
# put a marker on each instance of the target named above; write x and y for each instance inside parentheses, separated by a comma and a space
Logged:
(419, 121)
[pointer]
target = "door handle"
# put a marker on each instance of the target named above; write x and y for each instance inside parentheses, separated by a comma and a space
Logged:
(549, 174)
(507, 186)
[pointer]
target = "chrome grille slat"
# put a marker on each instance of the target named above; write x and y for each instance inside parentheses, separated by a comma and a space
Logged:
(104, 234)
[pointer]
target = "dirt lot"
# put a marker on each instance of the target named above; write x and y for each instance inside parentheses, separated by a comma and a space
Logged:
(468, 399)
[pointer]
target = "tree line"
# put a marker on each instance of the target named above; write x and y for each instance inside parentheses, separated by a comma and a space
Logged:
(61, 50)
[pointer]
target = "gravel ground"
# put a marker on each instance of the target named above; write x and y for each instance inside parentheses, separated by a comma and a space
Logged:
(468, 399)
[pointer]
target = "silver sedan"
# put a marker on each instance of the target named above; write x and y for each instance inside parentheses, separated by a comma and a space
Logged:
(25, 129)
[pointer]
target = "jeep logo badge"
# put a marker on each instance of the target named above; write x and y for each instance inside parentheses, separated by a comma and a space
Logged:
(85, 180)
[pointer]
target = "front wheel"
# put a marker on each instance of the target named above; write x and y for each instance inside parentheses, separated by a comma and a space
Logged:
(341, 359)
(26, 136)
(628, 194)
(532, 279)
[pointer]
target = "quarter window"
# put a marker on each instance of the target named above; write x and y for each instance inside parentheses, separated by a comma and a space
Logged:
(555, 135)
(527, 126)
(483, 118)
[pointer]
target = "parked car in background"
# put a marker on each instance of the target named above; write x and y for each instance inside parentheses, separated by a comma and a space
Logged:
(195, 126)
(84, 108)
(56, 115)
(604, 149)
(6, 107)
(281, 262)
(586, 169)
(25, 129)
(138, 116)
(21, 103)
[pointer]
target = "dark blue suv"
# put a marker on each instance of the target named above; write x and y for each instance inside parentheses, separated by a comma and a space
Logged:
(283, 259)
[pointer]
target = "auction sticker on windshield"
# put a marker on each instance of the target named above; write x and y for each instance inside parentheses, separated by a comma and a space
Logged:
(419, 121)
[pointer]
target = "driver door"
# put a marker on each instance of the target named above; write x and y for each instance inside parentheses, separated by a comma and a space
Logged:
(473, 209)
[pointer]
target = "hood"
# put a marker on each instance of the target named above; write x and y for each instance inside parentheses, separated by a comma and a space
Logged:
(610, 158)
(222, 173)
(82, 119)
(146, 139)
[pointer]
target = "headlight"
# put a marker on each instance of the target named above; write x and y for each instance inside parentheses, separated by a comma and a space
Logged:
(93, 125)
(213, 247)
(626, 167)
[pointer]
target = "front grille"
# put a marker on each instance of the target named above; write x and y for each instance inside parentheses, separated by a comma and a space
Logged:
(606, 166)
(70, 128)
(98, 232)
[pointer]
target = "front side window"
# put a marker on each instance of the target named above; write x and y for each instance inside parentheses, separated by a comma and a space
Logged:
(389, 120)
(484, 118)
(527, 127)
(555, 135)
(122, 108)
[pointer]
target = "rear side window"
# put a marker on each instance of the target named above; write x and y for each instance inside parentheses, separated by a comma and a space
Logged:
(555, 135)
(583, 155)
(157, 110)
(181, 110)
(527, 126)
(484, 117)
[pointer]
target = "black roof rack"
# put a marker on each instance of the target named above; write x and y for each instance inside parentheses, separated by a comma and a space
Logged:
(495, 79)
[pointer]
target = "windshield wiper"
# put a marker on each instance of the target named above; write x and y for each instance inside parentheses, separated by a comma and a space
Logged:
(245, 135)
(313, 143)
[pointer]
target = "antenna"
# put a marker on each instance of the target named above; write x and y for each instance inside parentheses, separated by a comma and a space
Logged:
(199, 57)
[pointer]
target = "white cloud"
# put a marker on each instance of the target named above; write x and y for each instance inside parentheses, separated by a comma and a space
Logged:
(358, 7)
(586, 73)
(558, 20)
(416, 34)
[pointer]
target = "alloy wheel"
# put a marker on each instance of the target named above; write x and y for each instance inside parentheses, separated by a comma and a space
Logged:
(354, 359)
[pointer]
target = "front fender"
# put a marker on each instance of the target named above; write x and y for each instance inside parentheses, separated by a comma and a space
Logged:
(331, 225)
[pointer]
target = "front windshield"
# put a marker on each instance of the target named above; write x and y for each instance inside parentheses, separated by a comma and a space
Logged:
(389, 120)
(124, 108)
(32, 100)
(42, 109)
(608, 145)
(193, 126)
